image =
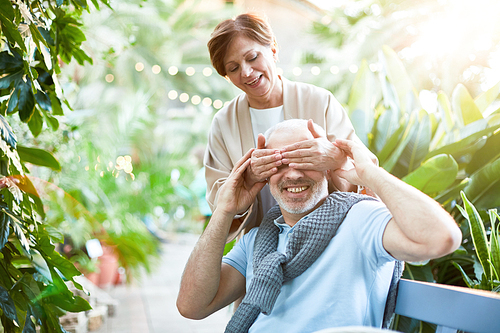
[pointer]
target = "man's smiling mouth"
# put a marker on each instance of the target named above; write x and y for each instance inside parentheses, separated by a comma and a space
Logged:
(297, 189)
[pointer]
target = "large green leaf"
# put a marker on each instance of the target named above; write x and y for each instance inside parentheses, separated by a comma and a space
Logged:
(489, 152)
(399, 78)
(410, 129)
(364, 92)
(468, 145)
(387, 124)
(14, 79)
(486, 98)
(445, 111)
(361, 102)
(362, 124)
(434, 175)
(484, 186)
(6, 133)
(478, 233)
(35, 123)
(38, 157)
(26, 104)
(452, 192)
(464, 106)
(418, 145)
(8, 27)
(7, 305)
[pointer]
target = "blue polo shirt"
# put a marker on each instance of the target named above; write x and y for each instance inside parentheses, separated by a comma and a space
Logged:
(346, 286)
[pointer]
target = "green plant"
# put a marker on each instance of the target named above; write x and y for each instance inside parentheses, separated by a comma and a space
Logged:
(35, 39)
(487, 252)
(441, 150)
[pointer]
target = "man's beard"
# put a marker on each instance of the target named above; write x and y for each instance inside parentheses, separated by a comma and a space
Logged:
(299, 206)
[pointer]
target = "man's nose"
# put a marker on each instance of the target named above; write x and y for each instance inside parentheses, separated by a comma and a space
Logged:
(291, 173)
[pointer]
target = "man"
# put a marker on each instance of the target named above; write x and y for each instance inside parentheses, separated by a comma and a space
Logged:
(319, 260)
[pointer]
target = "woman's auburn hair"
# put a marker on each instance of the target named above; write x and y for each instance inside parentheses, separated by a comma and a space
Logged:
(250, 25)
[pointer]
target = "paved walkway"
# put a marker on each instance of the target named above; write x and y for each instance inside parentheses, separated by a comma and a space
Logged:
(148, 306)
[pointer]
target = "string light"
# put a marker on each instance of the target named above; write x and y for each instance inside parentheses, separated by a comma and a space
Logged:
(218, 104)
(207, 71)
(172, 94)
(139, 66)
(297, 71)
(207, 101)
(196, 100)
(156, 69)
(184, 97)
(109, 78)
(315, 70)
(172, 70)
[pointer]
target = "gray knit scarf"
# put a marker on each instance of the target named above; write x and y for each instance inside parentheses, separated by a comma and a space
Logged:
(309, 239)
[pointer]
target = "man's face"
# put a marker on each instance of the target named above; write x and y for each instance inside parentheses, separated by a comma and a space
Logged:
(296, 191)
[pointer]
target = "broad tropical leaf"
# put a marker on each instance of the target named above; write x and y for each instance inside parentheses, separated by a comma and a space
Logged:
(399, 78)
(464, 106)
(468, 145)
(7, 133)
(391, 142)
(486, 98)
(452, 192)
(489, 152)
(38, 157)
(8, 27)
(389, 164)
(7, 305)
(434, 175)
(418, 145)
(484, 186)
(445, 111)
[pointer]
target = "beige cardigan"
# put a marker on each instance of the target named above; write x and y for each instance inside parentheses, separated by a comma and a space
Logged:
(231, 137)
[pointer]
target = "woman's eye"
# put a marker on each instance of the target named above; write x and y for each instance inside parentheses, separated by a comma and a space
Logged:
(233, 69)
(253, 58)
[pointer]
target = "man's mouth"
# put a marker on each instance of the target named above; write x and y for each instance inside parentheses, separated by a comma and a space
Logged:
(297, 189)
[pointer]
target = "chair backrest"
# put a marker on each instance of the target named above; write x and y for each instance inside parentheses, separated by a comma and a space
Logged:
(451, 308)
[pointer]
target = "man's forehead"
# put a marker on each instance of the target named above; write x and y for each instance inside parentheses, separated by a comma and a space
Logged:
(287, 136)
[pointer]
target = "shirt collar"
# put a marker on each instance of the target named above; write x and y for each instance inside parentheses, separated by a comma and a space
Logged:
(280, 223)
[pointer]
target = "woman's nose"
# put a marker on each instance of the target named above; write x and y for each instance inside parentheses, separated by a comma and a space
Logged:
(246, 70)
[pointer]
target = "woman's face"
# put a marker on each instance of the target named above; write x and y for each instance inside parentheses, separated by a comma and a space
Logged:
(251, 67)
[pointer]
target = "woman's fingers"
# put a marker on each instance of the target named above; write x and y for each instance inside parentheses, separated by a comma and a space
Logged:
(244, 158)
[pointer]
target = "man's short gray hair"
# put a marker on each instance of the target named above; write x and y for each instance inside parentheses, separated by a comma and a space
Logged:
(290, 125)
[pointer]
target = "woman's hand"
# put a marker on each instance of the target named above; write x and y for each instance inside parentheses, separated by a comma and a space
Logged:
(263, 164)
(317, 154)
(235, 195)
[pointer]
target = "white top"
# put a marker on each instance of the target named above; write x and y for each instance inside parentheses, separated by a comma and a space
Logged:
(264, 119)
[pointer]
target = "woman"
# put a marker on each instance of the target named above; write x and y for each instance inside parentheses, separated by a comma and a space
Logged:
(245, 51)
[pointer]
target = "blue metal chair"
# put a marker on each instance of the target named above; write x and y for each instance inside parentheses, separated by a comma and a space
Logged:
(451, 308)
